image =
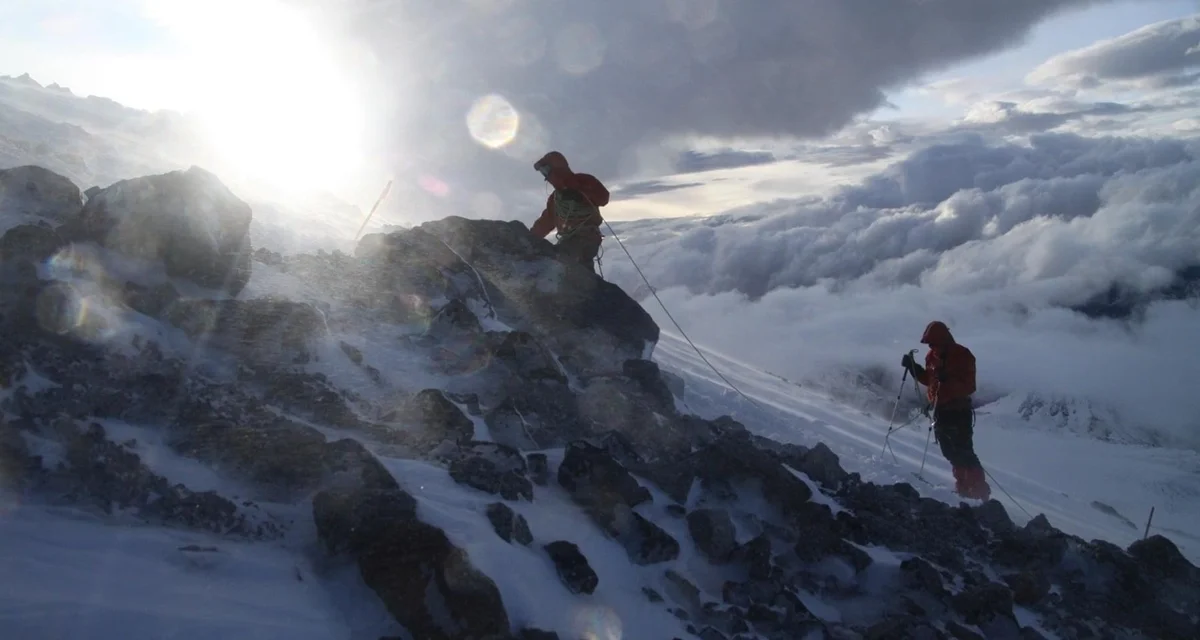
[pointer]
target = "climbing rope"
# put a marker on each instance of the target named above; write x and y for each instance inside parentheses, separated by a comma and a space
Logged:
(673, 321)
(1001, 487)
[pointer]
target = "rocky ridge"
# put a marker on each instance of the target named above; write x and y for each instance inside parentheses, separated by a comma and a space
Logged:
(549, 390)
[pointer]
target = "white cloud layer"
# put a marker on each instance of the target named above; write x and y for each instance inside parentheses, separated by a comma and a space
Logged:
(997, 240)
(1163, 54)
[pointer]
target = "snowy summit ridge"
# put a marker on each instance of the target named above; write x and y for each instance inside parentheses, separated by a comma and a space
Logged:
(448, 434)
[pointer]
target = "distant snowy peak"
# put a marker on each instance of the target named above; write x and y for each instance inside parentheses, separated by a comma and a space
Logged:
(1079, 415)
(25, 79)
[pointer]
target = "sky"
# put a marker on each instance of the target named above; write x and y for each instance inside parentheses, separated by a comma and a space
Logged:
(427, 91)
(806, 182)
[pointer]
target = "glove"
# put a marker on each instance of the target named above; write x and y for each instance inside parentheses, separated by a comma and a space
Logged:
(907, 361)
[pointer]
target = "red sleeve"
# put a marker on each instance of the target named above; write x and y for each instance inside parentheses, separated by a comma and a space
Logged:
(922, 375)
(960, 374)
(545, 222)
(591, 187)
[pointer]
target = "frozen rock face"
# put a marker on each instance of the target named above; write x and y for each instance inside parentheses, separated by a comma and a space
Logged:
(567, 453)
(187, 220)
(30, 194)
(590, 323)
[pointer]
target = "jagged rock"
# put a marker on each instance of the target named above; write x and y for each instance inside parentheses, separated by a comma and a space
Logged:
(524, 358)
(644, 541)
(652, 595)
(354, 353)
(539, 468)
(596, 481)
(406, 269)
(1028, 587)
(275, 453)
(508, 524)
(821, 464)
(756, 554)
(426, 582)
(187, 220)
(265, 331)
(674, 382)
(713, 532)
(993, 516)
(349, 463)
(572, 567)
(453, 321)
(98, 471)
(492, 467)
(650, 381)
(732, 457)
(959, 632)
(621, 405)
(261, 254)
(608, 493)
(34, 193)
(429, 418)
(29, 243)
(919, 573)
(1161, 557)
(681, 591)
(540, 414)
(592, 324)
(310, 395)
(979, 604)
(1029, 633)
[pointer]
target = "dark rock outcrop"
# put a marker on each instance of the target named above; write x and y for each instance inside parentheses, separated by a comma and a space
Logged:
(426, 582)
(509, 525)
(35, 193)
(186, 220)
(493, 468)
(713, 533)
(572, 566)
(592, 324)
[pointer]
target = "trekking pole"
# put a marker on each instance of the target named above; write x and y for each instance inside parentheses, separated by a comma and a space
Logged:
(386, 189)
(891, 420)
(928, 437)
(1147, 532)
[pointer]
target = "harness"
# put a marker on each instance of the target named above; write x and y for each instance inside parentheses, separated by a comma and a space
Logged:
(573, 209)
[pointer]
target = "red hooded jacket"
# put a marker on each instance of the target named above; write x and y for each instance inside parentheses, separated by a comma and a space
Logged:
(949, 374)
(561, 177)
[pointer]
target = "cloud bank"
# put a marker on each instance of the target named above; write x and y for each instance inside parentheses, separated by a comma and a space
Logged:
(998, 240)
(601, 81)
(1164, 54)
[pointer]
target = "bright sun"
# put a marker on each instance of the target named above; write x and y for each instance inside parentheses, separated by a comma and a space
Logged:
(279, 109)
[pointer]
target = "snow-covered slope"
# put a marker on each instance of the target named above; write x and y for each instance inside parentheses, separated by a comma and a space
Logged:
(449, 434)
(1066, 476)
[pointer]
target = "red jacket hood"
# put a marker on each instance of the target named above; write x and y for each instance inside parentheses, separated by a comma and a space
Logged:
(937, 334)
(554, 160)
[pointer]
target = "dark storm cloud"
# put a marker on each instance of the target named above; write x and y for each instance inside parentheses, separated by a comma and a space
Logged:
(599, 80)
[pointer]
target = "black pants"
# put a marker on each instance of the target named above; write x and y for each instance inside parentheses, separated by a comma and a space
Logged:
(581, 247)
(955, 430)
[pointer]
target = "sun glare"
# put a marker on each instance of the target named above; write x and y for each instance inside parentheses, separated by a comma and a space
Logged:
(280, 109)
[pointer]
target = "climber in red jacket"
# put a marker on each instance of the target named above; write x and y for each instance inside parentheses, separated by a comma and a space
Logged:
(949, 377)
(573, 210)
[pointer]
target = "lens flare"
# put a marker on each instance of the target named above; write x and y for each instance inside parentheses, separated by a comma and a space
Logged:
(493, 121)
(598, 623)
